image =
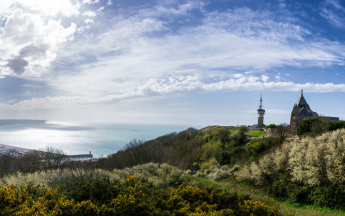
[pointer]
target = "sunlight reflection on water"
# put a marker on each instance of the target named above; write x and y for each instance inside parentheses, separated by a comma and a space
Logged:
(80, 139)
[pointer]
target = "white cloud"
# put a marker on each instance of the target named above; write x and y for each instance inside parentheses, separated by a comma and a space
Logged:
(334, 13)
(172, 85)
(287, 74)
(89, 14)
(51, 8)
(127, 60)
(109, 2)
(136, 54)
(28, 44)
(238, 75)
(264, 78)
(100, 9)
(182, 9)
(90, 1)
(87, 21)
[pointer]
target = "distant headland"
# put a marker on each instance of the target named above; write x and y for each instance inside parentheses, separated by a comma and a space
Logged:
(21, 121)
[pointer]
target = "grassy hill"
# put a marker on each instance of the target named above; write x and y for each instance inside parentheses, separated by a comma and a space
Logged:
(259, 176)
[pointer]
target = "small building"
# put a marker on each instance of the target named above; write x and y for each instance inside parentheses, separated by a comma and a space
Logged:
(301, 111)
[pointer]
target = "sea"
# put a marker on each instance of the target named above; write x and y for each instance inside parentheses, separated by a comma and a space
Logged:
(76, 138)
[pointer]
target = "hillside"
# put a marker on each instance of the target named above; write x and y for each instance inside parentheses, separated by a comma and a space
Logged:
(270, 172)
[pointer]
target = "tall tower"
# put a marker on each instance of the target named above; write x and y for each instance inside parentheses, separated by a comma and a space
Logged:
(261, 113)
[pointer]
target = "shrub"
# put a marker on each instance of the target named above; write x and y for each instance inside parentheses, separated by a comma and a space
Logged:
(133, 197)
(310, 170)
(271, 126)
(249, 207)
(304, 126)
(213, 149)
(211, 162)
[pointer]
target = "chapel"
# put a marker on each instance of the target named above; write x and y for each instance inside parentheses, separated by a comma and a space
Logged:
(301, 111)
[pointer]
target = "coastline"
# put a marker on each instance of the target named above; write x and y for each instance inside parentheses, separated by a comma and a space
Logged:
(4, 147)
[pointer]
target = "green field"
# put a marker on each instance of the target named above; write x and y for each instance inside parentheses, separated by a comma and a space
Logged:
(233, 132)
(257, 133)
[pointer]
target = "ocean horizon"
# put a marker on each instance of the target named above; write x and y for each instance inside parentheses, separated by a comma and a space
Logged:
(81, 138)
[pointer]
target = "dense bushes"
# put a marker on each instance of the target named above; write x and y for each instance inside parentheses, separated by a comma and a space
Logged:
(48, 158)
(173, 148)
(271, 126)
(310, 170)
(316, 126)
(253, 149)
(188, 149)
(159, 175)
(126, 197)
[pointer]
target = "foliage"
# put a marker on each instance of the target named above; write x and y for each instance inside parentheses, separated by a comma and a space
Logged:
(130, 197)
(215, 173)
(310, 170)
(212, 149)
(221, 134)
(240, 138)
(281, 132)
(271, 126)
(211, 162)
(159, 175)
(305, 126)
(257, 208)
(316, 126)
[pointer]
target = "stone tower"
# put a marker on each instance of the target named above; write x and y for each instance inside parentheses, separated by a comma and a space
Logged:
(261, 113)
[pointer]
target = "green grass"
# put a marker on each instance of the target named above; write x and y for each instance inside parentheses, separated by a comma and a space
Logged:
(286, 207)
(257, 133)
(206, 135)
(233, 132)
(252, 132)
(201, 182)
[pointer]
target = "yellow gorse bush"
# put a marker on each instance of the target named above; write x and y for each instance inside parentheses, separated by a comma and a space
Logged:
(32, 200)
(249, 207)
(134, 198)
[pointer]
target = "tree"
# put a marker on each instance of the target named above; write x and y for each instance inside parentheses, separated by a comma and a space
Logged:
(319, 127)
(281, 132)
(240, 138)
(304, 126)
(50, 157)
(271, 126)
(192, 132)
(223, 134)
(5, 164)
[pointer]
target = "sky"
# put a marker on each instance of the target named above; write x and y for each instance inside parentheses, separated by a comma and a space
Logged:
(190, 62)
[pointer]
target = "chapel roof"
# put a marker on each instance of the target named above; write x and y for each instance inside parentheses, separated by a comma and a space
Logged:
(304, 113)
(302, 102)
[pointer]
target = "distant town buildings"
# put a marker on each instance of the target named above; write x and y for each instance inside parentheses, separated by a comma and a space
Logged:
(301, 111)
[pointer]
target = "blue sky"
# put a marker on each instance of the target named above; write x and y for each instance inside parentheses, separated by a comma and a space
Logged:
(187, 62)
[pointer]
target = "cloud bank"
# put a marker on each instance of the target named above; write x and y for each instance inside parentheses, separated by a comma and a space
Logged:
(30, 45)
(169, 48)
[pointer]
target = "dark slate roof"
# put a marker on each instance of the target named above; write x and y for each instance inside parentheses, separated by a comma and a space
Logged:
(304, 113)
(302, 103)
